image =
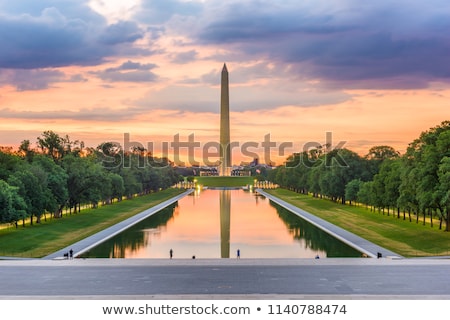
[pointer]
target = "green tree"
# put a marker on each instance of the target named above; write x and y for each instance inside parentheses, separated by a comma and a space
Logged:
(56, 178)
(377, 155)
(381, 153)
(8, 164)
(131, 183)
(117, 186)
(444, 190)
(25, 150)
(340, 166)
(386, 184)
(80, 181)
(110, 155)
(302, 164)
(71, 147)
(12, 206)
(423, 158)
(32, 190)
(365, 193)
(351, 190)
(378, 189)
(98, 185)
(392, 170)
(87, 181)
(51, 144)
(408, 190)
(313, 180)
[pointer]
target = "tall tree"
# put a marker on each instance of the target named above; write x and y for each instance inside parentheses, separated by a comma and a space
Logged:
(56, 178)
(25, 150)
(444, 189)
(365, 193)
(117, 186)
(408, 190)
(351, 190)
(8, 164)
(392, 170)
(341, 166)
(423, 157)
(12, 206)
(381, 153)
(377, 155)
(32, 190)
(77, 180)
(51, 144)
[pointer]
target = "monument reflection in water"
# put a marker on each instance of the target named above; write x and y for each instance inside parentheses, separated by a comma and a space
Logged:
(215, 224)
(225, 215)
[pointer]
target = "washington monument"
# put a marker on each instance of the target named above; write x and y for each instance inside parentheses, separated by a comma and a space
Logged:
(225, 154)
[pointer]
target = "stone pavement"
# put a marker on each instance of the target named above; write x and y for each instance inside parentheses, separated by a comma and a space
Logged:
(332, 278)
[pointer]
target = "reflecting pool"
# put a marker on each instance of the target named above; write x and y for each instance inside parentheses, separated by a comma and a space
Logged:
(218, 223)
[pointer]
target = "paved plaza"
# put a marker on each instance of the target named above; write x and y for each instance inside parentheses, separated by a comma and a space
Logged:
(346, 278)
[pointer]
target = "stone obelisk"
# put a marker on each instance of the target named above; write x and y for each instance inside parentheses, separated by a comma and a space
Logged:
(225, 152)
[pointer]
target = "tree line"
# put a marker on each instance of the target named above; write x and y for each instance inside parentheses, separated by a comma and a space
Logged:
(416, 183)
(60, 173)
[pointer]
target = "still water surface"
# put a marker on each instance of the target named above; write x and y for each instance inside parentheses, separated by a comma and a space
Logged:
(217, 223)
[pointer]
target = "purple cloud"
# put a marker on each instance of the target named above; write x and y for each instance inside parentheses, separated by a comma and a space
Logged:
(157, 12)
(41, 78)
(57, 36)
(184, 57)
(129, 72)
(383, 44)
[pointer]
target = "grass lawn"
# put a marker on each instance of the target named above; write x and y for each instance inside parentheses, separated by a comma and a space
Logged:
(42, 239)
(408, 239)
(225, 181)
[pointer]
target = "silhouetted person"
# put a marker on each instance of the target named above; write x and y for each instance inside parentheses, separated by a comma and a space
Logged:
(171, 253)
(71, 254)
(238, 253)
(317, 257)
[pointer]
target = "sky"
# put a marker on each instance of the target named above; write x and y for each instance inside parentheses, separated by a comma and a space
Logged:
(366, 73)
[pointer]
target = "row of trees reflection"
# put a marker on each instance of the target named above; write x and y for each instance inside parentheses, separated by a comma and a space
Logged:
(313, 237)
(135, 238)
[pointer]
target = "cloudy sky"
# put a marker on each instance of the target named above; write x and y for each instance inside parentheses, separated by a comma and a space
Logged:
(370, 72)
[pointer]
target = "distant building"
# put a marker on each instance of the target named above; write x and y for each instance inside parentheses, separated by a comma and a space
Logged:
(208, 171)
(240, 171)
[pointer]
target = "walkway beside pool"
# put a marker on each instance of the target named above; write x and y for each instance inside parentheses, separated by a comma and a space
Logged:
(370, 249)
